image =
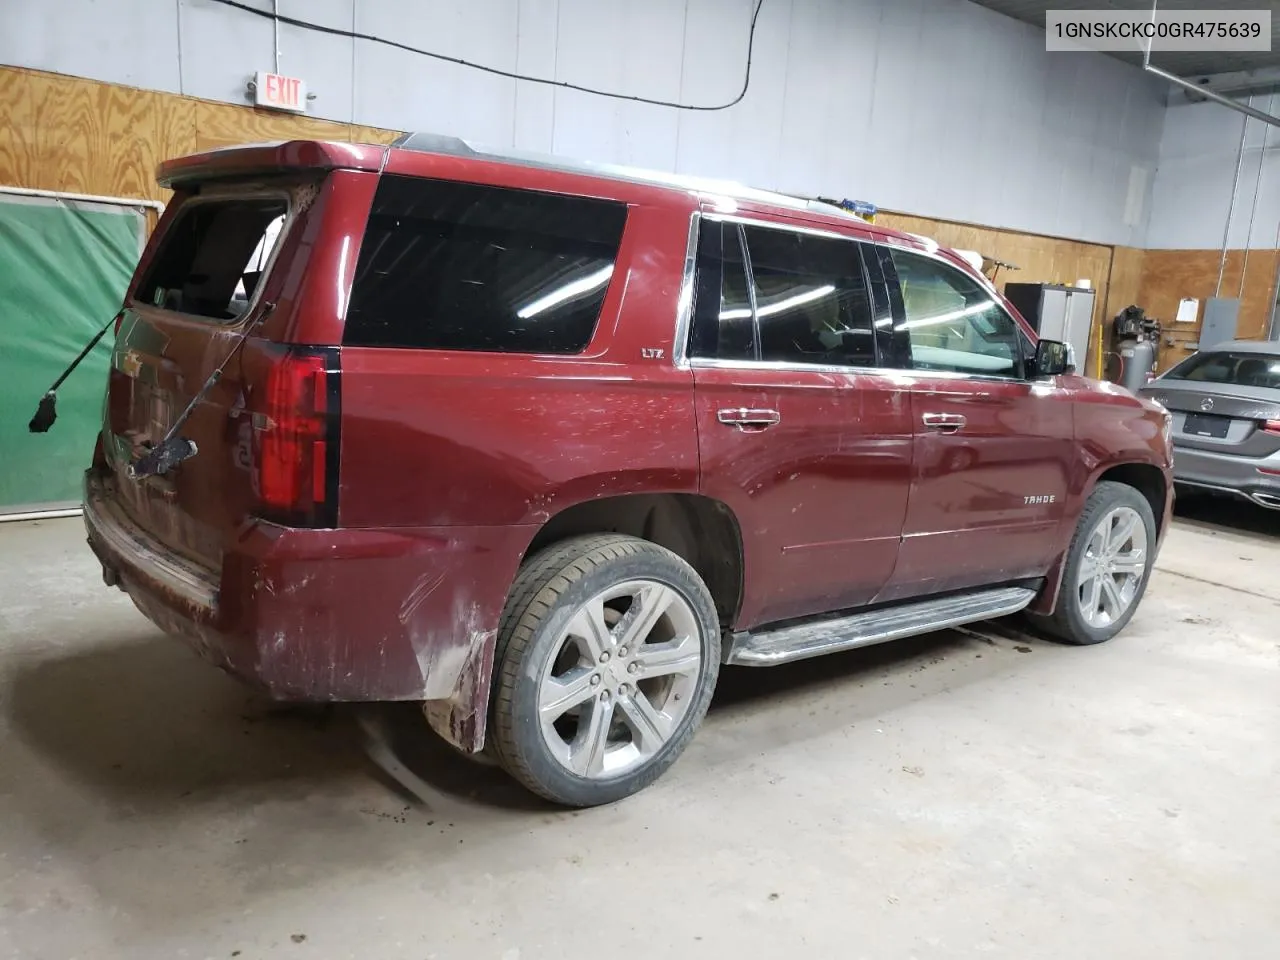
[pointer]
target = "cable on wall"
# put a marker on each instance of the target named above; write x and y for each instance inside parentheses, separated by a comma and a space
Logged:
(510, 74)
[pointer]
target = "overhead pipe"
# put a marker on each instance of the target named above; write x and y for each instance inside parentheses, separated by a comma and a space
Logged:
(1196, 88)
(275, 25)
(1231, 208)
(1253, 211)
(1211, 95)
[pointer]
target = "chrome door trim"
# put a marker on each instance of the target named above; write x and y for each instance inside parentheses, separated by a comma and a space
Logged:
(791, 227)
(890, 372)
(684, 306)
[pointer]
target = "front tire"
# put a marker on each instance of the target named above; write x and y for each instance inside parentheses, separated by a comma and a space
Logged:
(1108, 566)
(607, 657)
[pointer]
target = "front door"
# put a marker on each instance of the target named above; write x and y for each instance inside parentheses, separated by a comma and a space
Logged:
(809, 448)
(992, 448)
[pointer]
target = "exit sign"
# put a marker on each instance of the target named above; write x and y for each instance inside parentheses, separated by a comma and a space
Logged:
(277, 92)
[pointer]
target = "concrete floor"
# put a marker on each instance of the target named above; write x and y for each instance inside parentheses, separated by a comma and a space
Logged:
(965, 794)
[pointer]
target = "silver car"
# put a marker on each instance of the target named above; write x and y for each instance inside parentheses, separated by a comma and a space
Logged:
(1225, 403)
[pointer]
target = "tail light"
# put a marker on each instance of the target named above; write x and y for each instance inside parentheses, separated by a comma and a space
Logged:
(1271, 426)
(297, 456)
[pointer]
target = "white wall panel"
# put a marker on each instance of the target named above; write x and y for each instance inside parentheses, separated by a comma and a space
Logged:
(936, 107)
(538, 23)
(221, 49)
(1197, 164)
(395, 88)
(119, 43)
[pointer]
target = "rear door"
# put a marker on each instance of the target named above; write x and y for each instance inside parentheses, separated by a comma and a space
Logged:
(993, 450)
(226, 259)
(796, 432)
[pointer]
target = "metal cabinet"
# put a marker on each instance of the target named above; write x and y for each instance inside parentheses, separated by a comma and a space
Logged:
(1056, 312)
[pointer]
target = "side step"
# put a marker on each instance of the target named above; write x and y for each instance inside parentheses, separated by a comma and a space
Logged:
(814, 638)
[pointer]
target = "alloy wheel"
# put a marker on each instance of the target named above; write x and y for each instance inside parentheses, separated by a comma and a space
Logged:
(1112, 567)
(621, 677)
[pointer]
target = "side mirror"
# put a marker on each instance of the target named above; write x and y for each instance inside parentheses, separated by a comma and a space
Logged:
(1053, 357)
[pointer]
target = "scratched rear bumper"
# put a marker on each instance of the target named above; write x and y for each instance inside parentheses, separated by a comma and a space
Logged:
(323, 615)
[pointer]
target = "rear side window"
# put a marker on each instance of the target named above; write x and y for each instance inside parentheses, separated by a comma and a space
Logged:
(212, 258)
(812, 300)
(457, 266)
(780, 295)
(1240, 369)
(723, 326)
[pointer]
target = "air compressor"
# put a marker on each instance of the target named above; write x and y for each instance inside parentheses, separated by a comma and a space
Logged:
(1134, 337)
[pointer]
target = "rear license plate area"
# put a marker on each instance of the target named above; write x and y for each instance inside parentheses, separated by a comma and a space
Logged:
(1206, 425)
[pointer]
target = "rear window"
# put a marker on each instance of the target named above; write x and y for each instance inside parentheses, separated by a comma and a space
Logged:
(456, 266)
(1240, 369)
(213, 256)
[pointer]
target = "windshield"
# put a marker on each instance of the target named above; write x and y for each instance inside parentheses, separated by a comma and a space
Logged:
(1238, 369)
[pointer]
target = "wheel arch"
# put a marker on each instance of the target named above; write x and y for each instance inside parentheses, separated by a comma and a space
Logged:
(702, 531)
(1147, 478)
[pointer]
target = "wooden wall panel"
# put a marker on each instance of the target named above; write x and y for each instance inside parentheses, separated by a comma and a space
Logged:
(1125, 286)
(224, 124)
(1040, 259)
(85, 137)
(1170, 275)
(82, 136)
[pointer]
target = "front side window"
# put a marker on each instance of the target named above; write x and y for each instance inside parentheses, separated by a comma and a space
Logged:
(1239, 369)
(788, 297)
(457, 266)
(212, 258)
(952, 322)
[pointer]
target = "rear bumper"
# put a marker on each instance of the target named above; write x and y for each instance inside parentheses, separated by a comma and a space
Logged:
(1256, 479)
(323, 615)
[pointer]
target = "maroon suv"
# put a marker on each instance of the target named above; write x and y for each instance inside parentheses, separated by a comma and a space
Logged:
(542, 445)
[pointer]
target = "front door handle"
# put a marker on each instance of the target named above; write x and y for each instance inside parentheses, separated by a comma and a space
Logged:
(745, 418)
(944, 422)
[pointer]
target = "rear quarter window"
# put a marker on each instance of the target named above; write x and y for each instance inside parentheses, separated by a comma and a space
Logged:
(458, 266)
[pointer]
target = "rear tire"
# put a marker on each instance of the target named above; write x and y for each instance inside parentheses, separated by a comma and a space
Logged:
(607, 656)
(1108, 566)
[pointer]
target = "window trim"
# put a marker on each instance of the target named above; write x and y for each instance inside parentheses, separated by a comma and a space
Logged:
(684, 317)
(684, 306)
(750, 275)
(226, 193)
(1019, 334)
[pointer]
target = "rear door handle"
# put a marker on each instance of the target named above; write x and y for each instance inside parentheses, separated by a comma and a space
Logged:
(944, 422)
(745, 418)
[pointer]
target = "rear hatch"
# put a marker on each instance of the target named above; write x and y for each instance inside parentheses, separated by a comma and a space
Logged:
(1225, 402)
(224, 266)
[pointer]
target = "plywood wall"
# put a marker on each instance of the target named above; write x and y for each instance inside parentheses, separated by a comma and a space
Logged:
(81, 136)
(1170, 275)
(1040, 260)
(70, 134)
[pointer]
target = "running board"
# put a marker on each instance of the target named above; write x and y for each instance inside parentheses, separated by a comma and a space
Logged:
(814, 638)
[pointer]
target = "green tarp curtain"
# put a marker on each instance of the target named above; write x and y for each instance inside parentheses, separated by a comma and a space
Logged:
(64, 267)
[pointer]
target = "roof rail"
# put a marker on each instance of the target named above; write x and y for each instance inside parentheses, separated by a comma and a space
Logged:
(458, 147)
